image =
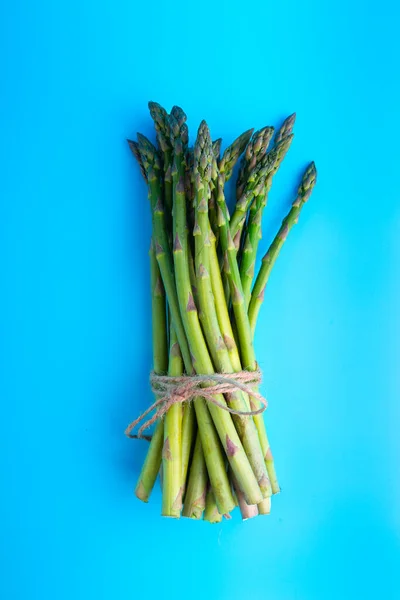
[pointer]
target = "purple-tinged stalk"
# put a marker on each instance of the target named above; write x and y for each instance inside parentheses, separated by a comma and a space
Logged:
(248, 511)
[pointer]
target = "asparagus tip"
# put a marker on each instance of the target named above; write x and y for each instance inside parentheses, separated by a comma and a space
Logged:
(308, 182)
(286, 128)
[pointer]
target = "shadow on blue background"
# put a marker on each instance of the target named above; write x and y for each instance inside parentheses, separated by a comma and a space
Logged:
(75, 322)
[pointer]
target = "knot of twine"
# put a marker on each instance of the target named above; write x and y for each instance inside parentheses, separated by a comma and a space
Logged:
(173, 390)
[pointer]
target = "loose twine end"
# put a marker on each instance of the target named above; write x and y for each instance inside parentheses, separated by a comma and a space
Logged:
(176, 390)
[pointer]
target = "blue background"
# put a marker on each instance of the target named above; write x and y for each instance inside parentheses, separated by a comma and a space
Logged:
(75, 320)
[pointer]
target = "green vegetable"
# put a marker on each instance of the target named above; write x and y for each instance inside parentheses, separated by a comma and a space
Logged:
(205, 308)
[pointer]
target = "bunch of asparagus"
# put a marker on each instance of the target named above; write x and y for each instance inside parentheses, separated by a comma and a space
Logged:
(205, 303)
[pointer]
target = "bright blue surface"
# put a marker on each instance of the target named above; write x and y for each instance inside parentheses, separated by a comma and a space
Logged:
(75, 321)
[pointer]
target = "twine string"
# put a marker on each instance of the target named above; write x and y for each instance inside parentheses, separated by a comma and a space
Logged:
(174, 390)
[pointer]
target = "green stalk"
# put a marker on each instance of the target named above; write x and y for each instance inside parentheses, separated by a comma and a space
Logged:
(201, 358)
(161, 243)
(229, 338)
(211, 513)
(254, 475)
(212, 206)
(255, 150)
(149, 163)
(188, 437)
(248, 359)
(250, 246)
(195, 497)
(222, 309)
(226, 165)
(232, 154)
(172, 448)
(161, 123)
(134, 146)
(304, 192)
(152, 168)
(255, 186)
(210, 441)
(152, 463)
(216, 147)
(253, 232)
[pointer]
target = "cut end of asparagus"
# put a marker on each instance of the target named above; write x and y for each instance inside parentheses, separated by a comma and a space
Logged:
(264, 508)
(141, 492)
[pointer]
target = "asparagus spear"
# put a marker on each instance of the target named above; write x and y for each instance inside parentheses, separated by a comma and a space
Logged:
(225, 168)
(253, 233)
(172, 448)
(243, 325)
(199, 353)
(161, 123)
(188, 437)
(229, 339)
(303, 194)
(149, 163)
(134, 146)
(264, 508)
(152, 166)
(255, 150)
(152, 463)
(195, 498)
(248, 511)
(211, 513)
(202, 361)
(210, 440)
(212, 206)
(233, 153)
(254, 187)
(216, 146)
(256, 472)
(286, 128)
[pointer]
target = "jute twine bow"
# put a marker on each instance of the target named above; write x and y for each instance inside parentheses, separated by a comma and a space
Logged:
(173, 390)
